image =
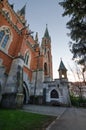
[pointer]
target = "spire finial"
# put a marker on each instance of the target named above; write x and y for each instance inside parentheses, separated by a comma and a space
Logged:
(60, 58)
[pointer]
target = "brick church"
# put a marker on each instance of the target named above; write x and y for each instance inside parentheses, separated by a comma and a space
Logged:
(26, 74)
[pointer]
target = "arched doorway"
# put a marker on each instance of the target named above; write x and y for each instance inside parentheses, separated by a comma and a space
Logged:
(26, 93)
(54, 94)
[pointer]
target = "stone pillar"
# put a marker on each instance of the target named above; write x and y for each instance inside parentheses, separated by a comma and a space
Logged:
(13, 96)
(0, 92)
(2, 79)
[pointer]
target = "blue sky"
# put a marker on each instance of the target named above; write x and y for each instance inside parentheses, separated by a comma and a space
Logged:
(42, 12)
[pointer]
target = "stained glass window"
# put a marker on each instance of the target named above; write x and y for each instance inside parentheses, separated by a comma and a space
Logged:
(4, 37)
(26, 58)
(2, 33)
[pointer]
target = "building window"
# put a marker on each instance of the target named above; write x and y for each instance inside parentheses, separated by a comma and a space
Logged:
(1, 35)
(54, 94)
(45, 69)
(26, 58)
(48, 56)
(4, 37)
(58, 85)
(45, 50)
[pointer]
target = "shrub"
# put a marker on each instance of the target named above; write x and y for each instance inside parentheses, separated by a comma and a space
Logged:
(78, 101)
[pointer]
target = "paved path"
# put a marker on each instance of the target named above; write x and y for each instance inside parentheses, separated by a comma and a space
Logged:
(72, 119)
(46, 110)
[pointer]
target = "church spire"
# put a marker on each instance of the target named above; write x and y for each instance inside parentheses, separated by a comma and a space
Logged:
(21, 14)
(22, 11)
(62, 66)
(46, 34)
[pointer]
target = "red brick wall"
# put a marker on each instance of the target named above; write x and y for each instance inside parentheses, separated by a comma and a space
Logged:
(19, 44)
(6, 61)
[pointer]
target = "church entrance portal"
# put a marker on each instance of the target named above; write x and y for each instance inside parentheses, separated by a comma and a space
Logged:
(26, 94)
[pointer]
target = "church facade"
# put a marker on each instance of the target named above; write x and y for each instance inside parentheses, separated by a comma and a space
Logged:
(26, 74)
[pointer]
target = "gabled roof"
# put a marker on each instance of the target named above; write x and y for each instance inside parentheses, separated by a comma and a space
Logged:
(62, 66)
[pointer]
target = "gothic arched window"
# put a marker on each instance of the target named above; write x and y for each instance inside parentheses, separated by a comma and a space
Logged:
(54, 94)
(26, 58)
(4, 37)
(48, 56)
(45, 68)
(2, 33)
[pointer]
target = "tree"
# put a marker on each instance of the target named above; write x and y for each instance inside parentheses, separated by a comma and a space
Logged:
(76, 9)
(78, 88)
(78, 73)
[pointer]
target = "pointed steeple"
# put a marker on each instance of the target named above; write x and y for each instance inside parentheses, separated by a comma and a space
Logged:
(22, 10)
(62, 66)
(62, 71)
(46, 34)
(21, 14)
(36, 37)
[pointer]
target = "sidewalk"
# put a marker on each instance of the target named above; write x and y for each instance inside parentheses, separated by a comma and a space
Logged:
(45, 110)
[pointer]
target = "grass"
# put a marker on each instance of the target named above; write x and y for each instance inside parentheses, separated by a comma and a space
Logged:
(20, 120)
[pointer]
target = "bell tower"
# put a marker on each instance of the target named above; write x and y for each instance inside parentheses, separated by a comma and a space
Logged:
(62, 71)
(47, 60)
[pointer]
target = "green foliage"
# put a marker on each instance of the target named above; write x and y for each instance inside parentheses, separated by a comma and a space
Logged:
(78, 101)
(19, 120)
(74, 101)
(76, 9)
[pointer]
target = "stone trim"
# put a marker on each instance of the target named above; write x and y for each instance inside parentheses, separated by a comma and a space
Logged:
(9, 21)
